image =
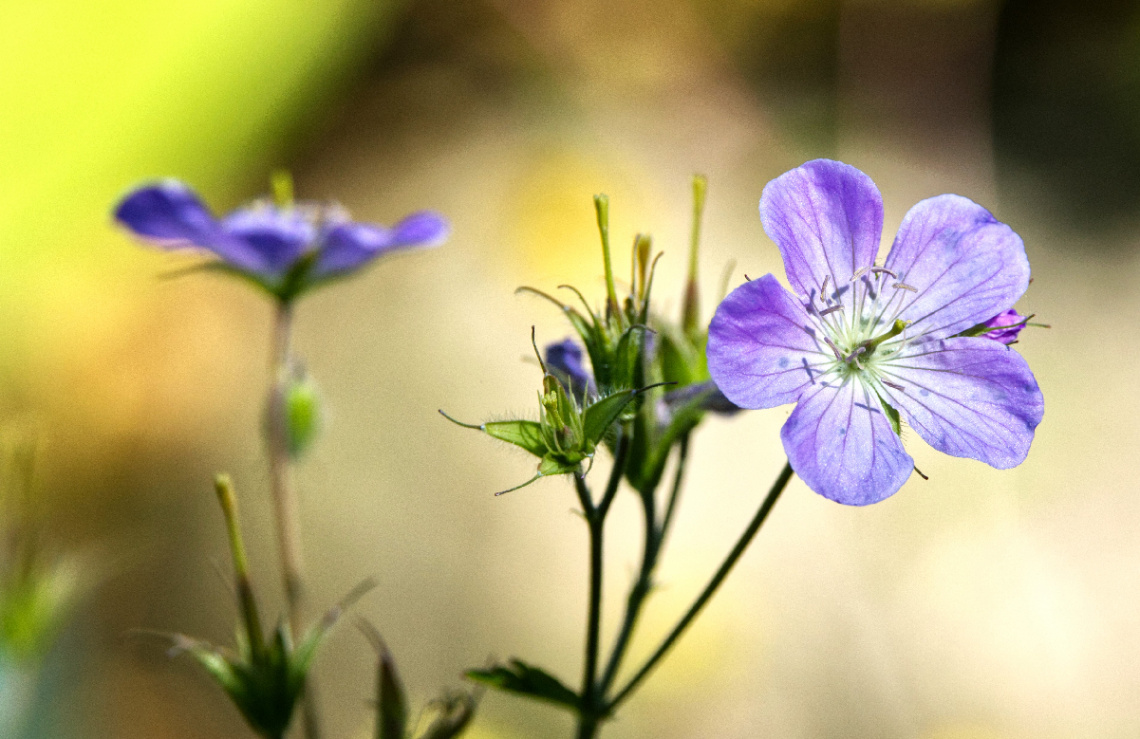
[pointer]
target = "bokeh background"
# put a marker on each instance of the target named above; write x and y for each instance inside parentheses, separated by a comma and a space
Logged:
(978, 605)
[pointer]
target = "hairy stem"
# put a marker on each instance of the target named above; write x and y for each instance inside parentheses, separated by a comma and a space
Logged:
(284, 499)
(710, 589)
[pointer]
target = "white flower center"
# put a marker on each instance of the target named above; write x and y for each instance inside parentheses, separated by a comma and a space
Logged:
(859, 322)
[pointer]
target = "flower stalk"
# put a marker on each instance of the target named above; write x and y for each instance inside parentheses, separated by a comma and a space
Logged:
(285, 508)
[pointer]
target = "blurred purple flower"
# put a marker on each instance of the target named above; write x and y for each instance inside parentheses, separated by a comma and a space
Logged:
(285, 249)
(1004, 327)
(564, 360)
(856, 346)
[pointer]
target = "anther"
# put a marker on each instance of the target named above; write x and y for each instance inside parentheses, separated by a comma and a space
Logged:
(832, 309)
(859, 273)
(904, 286)
(888, 383)
(884, 271)
(823, 290)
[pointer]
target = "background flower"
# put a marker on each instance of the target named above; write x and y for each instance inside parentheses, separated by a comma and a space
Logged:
(286, 248)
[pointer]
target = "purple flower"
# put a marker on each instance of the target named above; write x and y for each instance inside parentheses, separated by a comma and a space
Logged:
(856, 346)
(1004, 327)
(564, 360)
(285, 249)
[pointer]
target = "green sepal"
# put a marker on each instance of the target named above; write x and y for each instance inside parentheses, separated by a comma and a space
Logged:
(523, 679)
(892, 416)
(981, 329)
(550, 466)
(601, 414)
(454, 712)
(525, 434)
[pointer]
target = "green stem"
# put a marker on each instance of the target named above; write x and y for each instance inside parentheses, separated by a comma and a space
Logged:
(710, 589)
(654, 541)
(284, 499)
(590, 711)
(675, 492)
(589, 696)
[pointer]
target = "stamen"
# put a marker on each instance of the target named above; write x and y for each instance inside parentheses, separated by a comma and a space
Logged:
(832, 309)
(854, 356)
(834, 348)
(823, 290)
(888, 383)
(884, 271)
(904, 286)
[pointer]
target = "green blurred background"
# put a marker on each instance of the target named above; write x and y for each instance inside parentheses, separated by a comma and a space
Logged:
(978, 605)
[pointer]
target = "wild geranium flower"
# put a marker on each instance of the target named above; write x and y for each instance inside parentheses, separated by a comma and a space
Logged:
(284, 247)
(859, 346)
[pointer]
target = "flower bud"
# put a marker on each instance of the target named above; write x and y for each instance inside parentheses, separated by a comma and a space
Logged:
(302, 414)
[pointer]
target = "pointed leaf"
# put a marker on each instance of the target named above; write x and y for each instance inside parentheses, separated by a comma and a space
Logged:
(524, 679)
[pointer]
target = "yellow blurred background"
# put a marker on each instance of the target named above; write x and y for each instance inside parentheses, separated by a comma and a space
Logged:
(978, 605)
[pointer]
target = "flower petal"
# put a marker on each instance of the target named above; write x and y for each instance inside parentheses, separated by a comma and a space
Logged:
(167, 213)
(827, 219)
(348, 246)
(968, 397)
(424, 228)
(764, 349)
(278, 237)
(965, 265)
(170, 215)
(840, 442)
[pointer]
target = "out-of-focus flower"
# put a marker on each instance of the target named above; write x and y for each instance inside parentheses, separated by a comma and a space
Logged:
(284, 247)
(859, 347)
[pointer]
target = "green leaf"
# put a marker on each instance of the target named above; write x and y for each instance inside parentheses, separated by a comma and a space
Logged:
(525, 434)
(524, 679)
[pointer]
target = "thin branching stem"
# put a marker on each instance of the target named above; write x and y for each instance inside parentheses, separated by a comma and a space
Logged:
(651, 555)
(592, 698)
(710, 589)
